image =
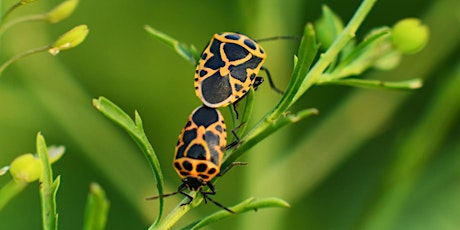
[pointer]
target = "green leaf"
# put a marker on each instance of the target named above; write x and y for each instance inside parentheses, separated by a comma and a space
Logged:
(9, 191)
(48, 188)
(245, 206)
(188, 52)
(361, 54)
(328, 27)
(97, 208)
(306, 55)
(135, 129)
(399, 85)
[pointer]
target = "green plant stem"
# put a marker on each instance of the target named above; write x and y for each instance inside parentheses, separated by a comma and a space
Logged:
(172, 218)
(30, 18)
(9, 191)
(11, 9)
(377, 84)
(22, 55)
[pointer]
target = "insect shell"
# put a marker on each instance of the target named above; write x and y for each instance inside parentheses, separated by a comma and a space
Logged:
(227, 69)
(200, 148)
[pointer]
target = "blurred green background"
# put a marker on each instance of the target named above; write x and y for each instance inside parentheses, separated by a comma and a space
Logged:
(370, 160)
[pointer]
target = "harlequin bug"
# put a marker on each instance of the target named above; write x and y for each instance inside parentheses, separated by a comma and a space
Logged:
(199, 153)
(228, 67)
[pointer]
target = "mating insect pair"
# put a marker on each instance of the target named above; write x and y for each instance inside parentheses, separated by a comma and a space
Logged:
(200, 151)
(228, 68)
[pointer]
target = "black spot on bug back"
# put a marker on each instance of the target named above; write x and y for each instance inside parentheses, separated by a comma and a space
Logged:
(180, 152)
(203, 73)
(212, 171)
(233, 36)
(205, 116)
(235, 52)
(204, 56)
(216, 88)
(215, 62)
(196, 152)
(204, 176)
(240, 71)
(201, 167)
(183, 173)
(189, 136)
(219, 128)
(211, 139)
(187, 165)
(238, 87)
(250, 44)
(177, 166)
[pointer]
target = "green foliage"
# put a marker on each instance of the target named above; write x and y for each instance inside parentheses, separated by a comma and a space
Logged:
(136, 130)
(329, 171)
(97, 208)
(67, 41)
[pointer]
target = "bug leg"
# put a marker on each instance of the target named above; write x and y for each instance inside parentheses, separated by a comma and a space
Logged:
(237, 139)
(235, 110)
(270, 80)
(231, 166)
(180, 190)
(213, 192)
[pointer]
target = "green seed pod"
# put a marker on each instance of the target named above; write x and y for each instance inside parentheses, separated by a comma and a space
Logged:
(26, 168)
(409, 35)
(70, 39)
(62, 11)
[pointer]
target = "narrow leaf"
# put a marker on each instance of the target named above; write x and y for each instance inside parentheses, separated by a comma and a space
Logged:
(48, 187)
(250, 204)
(364, 45)
(114, 113)
(117, 115)
(189, 53)
(376, 84)
(97, 207)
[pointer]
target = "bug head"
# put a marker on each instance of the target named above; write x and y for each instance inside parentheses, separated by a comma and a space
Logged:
(193, 183)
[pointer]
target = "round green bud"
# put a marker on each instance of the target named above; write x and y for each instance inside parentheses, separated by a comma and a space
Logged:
(409, 35)
(26, 168)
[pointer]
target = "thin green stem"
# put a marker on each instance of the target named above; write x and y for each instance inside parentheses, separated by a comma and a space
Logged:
(11, 9)
(9, 191)
(30, 18)
(22, 55)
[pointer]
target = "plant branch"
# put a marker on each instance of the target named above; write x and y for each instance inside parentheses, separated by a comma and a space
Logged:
(22, 55)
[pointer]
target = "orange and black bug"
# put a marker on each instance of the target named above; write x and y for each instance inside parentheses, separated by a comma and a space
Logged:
(199, 153)
(228, 68)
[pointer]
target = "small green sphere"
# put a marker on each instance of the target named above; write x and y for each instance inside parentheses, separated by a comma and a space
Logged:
(409, 35)
(26, 168)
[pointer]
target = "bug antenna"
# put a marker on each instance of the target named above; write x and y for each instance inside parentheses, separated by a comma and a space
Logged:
(206, 197)
(161, 196)
(279, 38)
